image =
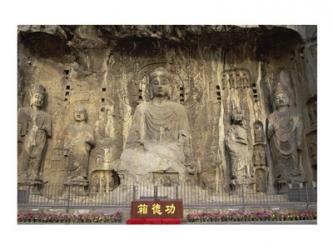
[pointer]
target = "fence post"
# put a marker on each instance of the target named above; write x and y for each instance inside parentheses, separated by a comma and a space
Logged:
(243, 200)
(134, 192)
(28, 199)
(68, 197)
(307, 197)
(155, 192)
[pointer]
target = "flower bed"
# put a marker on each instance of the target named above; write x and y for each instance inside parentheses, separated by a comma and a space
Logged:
(66, 218)
(153, 221)
(251, 216)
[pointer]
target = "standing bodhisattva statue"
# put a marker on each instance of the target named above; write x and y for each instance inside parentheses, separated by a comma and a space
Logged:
(78, 141)
(284, 132)
(34, 127)
(237, 146)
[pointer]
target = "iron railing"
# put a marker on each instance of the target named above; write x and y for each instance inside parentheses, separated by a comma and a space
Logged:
(56, 196)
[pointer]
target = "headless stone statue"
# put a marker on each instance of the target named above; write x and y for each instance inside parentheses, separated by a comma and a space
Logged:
(78, 141)
(236, 142)
(284, 132)
(159, 139)
(34, 127)
(104, 179)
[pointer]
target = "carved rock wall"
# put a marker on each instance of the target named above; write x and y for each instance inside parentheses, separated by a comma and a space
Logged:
(104, 68)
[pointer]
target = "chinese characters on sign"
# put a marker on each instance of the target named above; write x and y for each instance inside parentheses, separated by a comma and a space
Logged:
(142, 209)
(157, 208)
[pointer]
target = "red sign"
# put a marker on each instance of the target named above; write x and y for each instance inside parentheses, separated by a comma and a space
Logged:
(157, 209)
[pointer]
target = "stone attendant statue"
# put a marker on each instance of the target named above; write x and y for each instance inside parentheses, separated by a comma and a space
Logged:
(159, 139)
(236, 142)
(34, 127)
(284, 132)
(78, 141)
(258, 132)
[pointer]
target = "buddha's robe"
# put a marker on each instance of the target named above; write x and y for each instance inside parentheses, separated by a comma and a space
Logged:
(159, 139)
(78, 141)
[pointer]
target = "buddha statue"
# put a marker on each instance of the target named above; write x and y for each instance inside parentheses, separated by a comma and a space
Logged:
(159, 139)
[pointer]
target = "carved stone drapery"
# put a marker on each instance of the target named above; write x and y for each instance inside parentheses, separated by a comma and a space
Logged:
(78, 141)
(237, 145)
(159, 139)
(284, 132)
(34, 128)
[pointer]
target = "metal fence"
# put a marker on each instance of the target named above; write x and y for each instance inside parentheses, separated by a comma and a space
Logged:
(55, 196)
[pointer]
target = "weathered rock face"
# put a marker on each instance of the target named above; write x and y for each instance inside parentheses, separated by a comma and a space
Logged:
(106, 69)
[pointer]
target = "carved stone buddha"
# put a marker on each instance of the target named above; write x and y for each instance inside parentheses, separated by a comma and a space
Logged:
(159, 138)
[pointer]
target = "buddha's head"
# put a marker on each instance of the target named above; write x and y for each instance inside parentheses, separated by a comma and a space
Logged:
(281, 97)
(80, 114)
(159, 83)
(258, 126)
(237, 116)
(38, 96)
(109, 109)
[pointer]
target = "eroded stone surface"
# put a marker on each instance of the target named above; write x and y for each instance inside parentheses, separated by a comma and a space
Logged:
(106, 69)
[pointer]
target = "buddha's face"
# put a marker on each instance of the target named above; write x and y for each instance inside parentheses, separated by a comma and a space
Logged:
(237, 117)
(258, 128)
(37, 100)
(109, 111)
(160, 84)
(80, 114)
(281, 100)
